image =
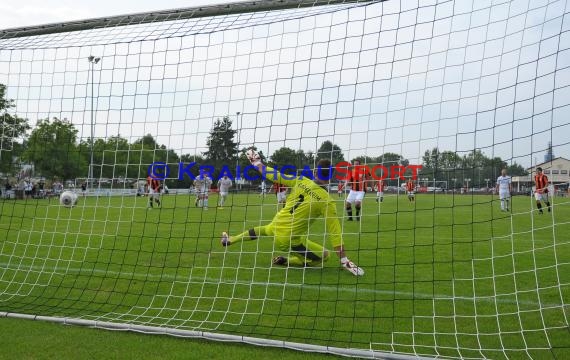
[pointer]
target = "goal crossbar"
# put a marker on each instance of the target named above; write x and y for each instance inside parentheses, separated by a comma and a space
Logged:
(168, 15)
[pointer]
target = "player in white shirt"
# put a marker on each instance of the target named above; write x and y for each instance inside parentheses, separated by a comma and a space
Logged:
(263, 189)
(207, 186)
(504, 189)
(202, 184)
(198, 185)
(224, 185)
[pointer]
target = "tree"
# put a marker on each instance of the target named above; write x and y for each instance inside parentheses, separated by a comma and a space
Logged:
(309, 157)
(430, 160)
(283, 156)
(221, 146)
(475, 159)
(115, 158)
(145, 151)
(12, 128)
(366, 159)
(53, 150)
(389, 159)
(516, 170)
(330, 151)
(287, 156)
(188, 158)
(110, 156)
(449, 160)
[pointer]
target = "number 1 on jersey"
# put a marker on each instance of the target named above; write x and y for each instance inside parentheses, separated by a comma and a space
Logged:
(299, 201)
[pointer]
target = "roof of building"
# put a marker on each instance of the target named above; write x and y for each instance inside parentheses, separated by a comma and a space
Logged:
(547, 162)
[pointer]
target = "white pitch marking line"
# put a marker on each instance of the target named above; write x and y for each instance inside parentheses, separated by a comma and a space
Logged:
(407, 294)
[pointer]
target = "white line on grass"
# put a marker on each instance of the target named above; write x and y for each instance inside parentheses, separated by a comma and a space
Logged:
(405, 294)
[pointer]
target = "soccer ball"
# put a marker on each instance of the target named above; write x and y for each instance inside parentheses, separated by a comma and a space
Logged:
(68, 199)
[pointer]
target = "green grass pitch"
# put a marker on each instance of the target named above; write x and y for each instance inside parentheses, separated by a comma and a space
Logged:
(448, 275)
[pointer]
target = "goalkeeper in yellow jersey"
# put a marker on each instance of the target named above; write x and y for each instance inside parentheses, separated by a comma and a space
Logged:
(308, 201)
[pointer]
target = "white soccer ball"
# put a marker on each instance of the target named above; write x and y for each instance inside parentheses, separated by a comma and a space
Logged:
(68, 199)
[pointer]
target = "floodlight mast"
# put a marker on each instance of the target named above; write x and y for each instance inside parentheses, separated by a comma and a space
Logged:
(92, 62)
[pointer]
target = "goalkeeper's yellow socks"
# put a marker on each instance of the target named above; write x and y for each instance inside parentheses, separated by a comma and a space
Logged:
(295, 261)
(251, 234)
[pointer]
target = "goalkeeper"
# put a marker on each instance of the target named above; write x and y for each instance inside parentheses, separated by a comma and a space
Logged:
(308, 201)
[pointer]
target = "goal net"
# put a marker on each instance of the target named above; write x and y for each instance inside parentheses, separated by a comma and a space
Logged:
(463, 89)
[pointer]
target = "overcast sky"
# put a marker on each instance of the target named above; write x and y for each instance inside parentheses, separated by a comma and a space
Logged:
(388, 77)
(35, 12)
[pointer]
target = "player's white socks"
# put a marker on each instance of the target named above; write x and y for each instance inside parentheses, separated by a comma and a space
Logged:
(205, 203)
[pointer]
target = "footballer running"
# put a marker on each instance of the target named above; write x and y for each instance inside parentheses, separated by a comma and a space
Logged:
(410, 188)
(504, 188)
(541, 190)
(224, 185)
(357, 180)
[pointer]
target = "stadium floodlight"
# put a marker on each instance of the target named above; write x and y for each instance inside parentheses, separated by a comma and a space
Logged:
(92, 62)
(238, 127)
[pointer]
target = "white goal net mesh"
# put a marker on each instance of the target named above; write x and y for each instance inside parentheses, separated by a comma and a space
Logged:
(462, 88)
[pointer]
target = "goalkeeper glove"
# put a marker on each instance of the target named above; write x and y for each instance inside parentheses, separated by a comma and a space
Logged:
(253, 157)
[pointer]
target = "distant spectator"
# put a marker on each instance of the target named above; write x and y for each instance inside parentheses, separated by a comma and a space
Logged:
(28, 188)
(57, 188)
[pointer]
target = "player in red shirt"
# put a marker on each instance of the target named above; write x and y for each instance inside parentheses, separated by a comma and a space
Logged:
(153, 186)
(281, 192)
(358, 178)
(340, 189)
(541, 190)
(380, 187)
(410, 188)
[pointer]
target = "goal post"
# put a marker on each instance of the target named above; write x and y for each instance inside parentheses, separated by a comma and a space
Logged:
(131, 112)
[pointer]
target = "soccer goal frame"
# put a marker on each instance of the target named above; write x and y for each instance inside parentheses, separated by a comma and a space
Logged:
(455, 87)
